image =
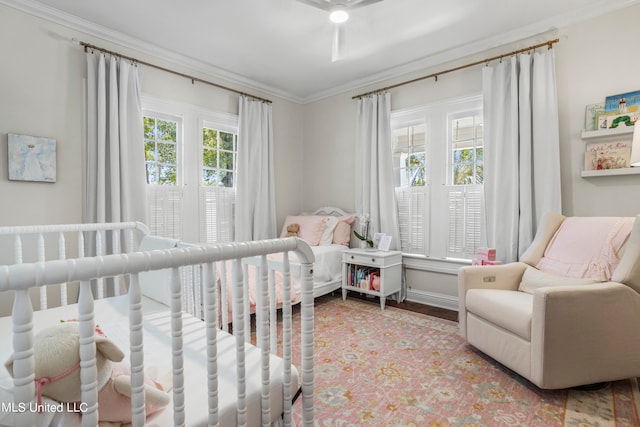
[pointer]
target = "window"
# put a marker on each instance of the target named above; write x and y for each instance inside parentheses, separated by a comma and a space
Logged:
(217, 193)
(190, 157)
(438, 166)
(161, 150)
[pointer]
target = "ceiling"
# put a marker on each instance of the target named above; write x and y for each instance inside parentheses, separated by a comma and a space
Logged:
(283, 47)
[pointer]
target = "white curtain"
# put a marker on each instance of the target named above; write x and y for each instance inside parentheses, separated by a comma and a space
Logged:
(255, 216)
(522, 150)
(115, 149)
(375, 189)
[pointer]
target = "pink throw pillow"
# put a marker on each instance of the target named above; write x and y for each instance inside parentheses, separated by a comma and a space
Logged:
(311, 227)
(342, 232)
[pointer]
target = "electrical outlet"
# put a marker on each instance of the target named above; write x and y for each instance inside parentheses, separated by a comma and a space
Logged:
(489, 279)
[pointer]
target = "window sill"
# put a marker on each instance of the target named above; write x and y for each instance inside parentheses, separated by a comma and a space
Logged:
(437, 265)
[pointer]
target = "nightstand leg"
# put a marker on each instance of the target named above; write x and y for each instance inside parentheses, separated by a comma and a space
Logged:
(344, 294)
(382, 301)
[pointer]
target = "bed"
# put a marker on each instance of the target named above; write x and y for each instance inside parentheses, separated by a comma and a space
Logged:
(329, 231)
(111, 279)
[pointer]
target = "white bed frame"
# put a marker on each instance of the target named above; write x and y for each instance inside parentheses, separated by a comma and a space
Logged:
(328, 287)
(121, 262)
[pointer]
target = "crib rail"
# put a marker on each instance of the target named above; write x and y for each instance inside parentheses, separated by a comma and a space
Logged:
(21, 277)
(61, 241)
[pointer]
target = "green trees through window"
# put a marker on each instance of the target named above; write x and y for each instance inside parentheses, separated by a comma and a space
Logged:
(160, 151)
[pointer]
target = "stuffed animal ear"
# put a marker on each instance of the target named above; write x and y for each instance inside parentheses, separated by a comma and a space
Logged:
(108, 349)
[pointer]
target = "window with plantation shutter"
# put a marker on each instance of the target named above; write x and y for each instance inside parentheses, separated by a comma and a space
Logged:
(190, 156)
(464, 203)
(438, 167)
(164, 204)
(218, 203)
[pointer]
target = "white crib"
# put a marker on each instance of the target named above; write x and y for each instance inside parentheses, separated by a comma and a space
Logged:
(116, 262)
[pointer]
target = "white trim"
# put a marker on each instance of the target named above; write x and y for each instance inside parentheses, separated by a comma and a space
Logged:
(435, 300)
(420, 263)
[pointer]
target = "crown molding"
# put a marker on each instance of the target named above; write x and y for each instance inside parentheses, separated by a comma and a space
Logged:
(543, 28)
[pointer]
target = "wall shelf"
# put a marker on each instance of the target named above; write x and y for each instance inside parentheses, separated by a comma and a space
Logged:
(610, 172)
(605, 136)
(602, 134)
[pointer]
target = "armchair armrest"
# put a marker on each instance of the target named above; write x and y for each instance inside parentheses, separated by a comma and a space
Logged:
(503, 276)
(575, 328)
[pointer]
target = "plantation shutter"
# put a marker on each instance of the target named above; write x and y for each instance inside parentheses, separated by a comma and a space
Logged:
(464, 205)
(412, 216)
(218, 207)
(164, 210)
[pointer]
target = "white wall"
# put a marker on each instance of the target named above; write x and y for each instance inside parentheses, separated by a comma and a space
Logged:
(42, 93)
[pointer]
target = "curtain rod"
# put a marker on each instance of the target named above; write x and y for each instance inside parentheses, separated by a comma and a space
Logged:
(193, 79)
(484, 61)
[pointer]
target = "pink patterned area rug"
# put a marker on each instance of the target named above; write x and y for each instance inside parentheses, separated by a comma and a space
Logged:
(399, 368)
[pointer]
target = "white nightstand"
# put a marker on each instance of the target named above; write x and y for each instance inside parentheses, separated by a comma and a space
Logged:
(361, 266)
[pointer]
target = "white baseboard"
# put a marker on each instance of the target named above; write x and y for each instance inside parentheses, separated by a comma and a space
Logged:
(429, 298)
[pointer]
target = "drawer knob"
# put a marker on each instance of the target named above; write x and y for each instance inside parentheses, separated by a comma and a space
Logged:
(352, 257)
(373, 260)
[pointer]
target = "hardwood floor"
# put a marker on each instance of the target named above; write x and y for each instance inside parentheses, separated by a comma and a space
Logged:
(416, 307)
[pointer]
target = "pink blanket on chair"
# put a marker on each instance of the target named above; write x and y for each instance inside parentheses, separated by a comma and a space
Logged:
(586, 247)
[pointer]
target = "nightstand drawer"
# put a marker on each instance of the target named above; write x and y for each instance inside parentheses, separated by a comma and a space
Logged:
(372, 258)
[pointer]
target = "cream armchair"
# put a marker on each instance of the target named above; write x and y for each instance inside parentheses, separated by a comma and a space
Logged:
(557, 331)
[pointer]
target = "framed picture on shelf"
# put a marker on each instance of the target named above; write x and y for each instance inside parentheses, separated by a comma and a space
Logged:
(376, 239)
(608, 155)
(623, 103)
(613, 121)
(591, 114)
(385, 243)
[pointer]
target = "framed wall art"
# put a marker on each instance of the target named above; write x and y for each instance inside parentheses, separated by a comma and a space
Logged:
(31, 158)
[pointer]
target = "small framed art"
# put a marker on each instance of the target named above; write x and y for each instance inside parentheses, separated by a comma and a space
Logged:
(385, 243)
(622, 103)
(31, 158)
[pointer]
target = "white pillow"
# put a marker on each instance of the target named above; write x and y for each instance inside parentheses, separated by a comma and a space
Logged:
(533, 279)
(327, 234)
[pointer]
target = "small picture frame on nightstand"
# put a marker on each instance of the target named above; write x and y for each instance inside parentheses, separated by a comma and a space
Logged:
(385, 243)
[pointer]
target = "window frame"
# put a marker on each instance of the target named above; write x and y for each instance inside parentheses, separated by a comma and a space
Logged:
(436, 118)
(189, 179)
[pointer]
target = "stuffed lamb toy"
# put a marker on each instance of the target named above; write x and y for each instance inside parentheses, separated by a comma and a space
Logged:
(57, 372)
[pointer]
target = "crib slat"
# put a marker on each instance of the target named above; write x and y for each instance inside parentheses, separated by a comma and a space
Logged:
(247, 299)
(23, 360)
(42, 257)
(88, 368)
(211, 321)
(262, 338)
(62, 254)
(136, 357)
(306, 314)
(224, 309)
(238, 331)
(286, 340)
(273, 314)
(99, 252)
(176, 349)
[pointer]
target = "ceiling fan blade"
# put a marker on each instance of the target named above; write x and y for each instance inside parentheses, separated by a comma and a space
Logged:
(339, 45)
(352, 4)
(320, 4)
